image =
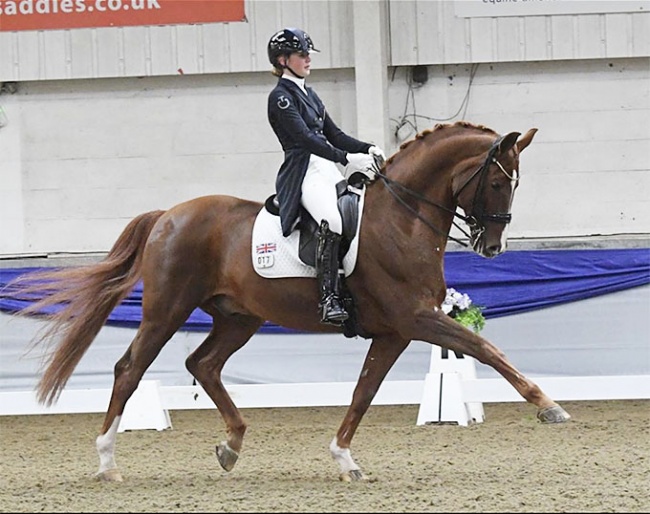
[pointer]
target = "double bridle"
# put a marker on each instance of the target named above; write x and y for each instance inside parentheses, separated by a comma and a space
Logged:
(476, 217)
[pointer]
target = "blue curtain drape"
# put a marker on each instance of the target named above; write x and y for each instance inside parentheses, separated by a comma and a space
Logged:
(512, 283)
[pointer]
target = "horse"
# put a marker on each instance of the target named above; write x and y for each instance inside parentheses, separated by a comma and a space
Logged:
(197, 254)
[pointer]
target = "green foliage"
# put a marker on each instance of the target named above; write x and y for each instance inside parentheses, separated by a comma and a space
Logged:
(459, 306)
(471, 318)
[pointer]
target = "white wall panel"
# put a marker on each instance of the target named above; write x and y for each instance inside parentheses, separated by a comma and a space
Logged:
(163, 54)
(459, 40)
(133, 50)
(109, 51)
(215, 36)
(641, 35)
(266, 19)
(508, 40)
(55, 43)
(619, 36)
(536, 40)
(563, 38)
(416, 27)
(484, 31)
(589, 34)
(26, 55)
(80, 54)
(403, 31)
(162, 50)
(421, 32)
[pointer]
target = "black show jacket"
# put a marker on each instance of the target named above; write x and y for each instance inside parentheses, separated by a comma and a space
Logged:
(303, 127)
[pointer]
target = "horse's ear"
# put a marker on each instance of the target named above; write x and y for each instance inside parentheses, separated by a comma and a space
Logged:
(526, 140)
(507, 142)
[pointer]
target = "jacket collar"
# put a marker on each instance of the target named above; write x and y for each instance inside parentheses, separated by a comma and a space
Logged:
(298, 82)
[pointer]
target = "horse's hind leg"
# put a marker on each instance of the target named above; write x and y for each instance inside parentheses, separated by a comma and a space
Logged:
(229, 334)
(149, 340)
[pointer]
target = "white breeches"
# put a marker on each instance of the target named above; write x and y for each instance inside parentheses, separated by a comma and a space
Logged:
(319, 192)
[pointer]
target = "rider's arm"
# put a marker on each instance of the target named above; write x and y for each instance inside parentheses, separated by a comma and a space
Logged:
(340, 139)
(283, 112)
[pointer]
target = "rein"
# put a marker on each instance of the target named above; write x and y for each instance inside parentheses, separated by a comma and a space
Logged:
(390, 182)
(472, 220)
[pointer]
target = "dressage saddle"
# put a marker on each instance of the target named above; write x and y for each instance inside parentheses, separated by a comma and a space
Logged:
(348, 204)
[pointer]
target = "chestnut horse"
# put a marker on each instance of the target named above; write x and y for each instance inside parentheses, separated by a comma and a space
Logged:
(198, 255)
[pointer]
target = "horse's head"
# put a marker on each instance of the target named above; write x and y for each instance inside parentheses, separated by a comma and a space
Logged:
(486, 192)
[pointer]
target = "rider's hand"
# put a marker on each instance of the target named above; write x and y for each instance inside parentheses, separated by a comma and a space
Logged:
(377, 152)
(361, 166)
(362, 162)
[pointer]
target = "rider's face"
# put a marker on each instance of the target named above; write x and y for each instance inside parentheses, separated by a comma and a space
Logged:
(300, 63)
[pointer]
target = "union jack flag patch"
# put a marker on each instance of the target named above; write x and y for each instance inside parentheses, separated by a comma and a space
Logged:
(266, 248)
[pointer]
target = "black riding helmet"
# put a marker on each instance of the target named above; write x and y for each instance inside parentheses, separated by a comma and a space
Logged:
(288, 41)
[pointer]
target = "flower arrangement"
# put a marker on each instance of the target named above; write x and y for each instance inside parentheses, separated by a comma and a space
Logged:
(460, 307)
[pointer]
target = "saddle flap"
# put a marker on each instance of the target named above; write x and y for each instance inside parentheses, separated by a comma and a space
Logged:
(348, 205)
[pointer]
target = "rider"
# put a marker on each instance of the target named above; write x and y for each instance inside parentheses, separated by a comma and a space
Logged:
(312, 144)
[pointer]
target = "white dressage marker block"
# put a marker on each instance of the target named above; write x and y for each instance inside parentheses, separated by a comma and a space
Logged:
(144, 410)
(442, 397)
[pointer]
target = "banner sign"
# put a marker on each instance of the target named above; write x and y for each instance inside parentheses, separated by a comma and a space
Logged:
(71, 14)
(495, 8)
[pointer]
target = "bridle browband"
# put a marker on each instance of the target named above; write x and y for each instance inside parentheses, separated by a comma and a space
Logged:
(475, 217)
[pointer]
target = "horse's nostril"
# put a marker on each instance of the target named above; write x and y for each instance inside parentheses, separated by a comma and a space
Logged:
(493, 250)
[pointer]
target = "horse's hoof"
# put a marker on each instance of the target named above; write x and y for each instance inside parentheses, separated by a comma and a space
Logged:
(227, 456)
(110, 475)
(354, 475)
(555, 414)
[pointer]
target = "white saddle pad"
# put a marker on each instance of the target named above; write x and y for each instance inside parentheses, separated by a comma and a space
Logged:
(276, 256)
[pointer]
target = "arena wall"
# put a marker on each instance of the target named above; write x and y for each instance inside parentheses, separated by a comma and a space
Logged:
(82, 157)
(100, 124)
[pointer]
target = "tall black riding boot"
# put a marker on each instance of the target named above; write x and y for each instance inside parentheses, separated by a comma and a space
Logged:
(327, 271)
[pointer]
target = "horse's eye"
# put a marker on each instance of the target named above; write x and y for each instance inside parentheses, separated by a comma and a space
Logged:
(496, 185)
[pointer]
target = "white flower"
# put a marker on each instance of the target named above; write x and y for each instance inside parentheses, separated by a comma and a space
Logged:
(455, 300)
(460, 307)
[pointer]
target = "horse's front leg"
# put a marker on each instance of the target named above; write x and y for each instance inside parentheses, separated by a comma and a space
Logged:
(434, 326)
(382, 354)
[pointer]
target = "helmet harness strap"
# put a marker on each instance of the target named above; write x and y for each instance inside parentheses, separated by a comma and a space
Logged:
(287, 67)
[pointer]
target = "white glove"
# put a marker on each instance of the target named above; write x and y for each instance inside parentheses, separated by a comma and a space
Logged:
(360, 163)
(377, 152)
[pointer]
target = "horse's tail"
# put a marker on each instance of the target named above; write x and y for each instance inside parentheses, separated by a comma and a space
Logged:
(83, 298)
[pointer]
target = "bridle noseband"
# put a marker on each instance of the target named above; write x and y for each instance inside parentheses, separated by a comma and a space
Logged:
(477, 216)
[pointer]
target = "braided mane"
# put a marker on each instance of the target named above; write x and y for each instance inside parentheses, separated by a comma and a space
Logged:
(439, 127)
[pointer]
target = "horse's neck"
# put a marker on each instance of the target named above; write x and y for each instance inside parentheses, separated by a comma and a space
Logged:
(427, 172)
(420, 221)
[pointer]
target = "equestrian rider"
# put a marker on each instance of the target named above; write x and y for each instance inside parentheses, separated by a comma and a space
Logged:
(312, 144)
